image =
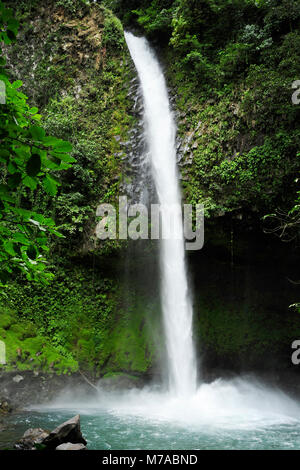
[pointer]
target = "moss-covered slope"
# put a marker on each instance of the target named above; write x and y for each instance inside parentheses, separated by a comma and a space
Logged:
(239, 141)
(76, 68)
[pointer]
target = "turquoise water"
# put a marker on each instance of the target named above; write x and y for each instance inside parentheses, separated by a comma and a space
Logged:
(106, 431)
(232, 414)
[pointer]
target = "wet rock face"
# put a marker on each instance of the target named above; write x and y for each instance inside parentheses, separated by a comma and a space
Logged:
(137, 183)
(5, 406)
(17, 379)
(68, 432)
(35, 387)
(67, 436)
(31, 439)
(121, 382)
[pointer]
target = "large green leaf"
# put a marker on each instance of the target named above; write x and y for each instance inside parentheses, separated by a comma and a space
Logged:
(37, 132)
(50, 185)
(21, 238)
(30, 182)
(9, 247)
(24, 160)
(63, 146)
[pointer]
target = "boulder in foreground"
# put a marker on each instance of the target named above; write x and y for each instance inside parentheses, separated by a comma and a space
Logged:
(67, 432)
(67, 436)
(31, 439)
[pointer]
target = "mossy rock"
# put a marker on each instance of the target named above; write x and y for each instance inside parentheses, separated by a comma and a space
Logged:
(6, 320)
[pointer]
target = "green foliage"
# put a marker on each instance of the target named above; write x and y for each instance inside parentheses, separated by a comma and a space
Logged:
(232, 64)
(234, 334)
(257, 177)
(27, 349)
(72, 6)
(82, 320)
(267, 99)
(199, 65)
(156, 19)
(233, 59)
(27, 157)
(69, 313)
(282, 16)
(285, 223)
(83, 94)
(113, 32)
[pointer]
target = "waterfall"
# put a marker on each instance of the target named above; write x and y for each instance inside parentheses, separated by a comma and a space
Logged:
(160, 135)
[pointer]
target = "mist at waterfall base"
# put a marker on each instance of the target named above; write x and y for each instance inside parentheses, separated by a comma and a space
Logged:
(231, 414)
(225, 414)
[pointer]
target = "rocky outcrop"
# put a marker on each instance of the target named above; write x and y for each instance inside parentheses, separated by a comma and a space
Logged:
(5, 406)
(32, 439)
(36, 387)
(68, 432)
(120, 382)
(67, 436)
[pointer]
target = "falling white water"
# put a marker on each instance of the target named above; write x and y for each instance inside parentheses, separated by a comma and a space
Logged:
(160, 133)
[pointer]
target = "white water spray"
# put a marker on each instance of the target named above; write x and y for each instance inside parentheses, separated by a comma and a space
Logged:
(160, 133)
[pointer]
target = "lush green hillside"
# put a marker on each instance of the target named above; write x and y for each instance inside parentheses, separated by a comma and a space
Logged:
(76, 68)
(230, 66)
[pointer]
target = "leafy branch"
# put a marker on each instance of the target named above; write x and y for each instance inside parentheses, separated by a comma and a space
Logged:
(28, 158)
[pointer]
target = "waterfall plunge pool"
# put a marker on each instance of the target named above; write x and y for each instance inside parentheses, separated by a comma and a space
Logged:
(235, 414)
